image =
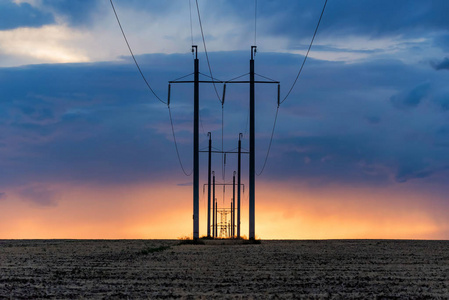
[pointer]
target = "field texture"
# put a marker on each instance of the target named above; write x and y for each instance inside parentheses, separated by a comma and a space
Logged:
(154, 269)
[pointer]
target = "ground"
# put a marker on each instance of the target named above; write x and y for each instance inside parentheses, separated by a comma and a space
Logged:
(154, 269)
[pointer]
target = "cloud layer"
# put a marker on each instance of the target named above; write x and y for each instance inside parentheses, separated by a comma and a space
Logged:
(370, 110)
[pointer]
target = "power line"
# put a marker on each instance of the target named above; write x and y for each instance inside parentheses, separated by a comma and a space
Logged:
(205, 50)
(307, 54)
(202, 127)
(211, 77)
(265, 77)
(236, 78)
(176, 144)
(182, 77)
(132, 54)
(269, 145)
(149, 86)
(246, 125)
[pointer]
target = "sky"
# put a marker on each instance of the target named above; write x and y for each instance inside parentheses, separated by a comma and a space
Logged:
(360, 147)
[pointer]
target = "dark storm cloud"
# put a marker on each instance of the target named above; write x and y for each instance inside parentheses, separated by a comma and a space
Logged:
(84, 13)
(443, 65)
(159, 7)
(99, 123)
(22, 15)
(373, 119)
(331, 159)
(388, 17)
(441, 98)
(356, 159)
(39, 195)
(442, 41)
(348, 131)
(405, 174)
(375, 18)
(76, 13)
(411, 98)
(91, 122)
(442, 136)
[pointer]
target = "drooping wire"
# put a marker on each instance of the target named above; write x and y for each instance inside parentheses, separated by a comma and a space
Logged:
(191, 36)
(210, 77)
(246, 125)
(134, 58)
(265, 77)
(202, 127)
(229, 150)
(205, 50)
(182, 77)
(154, 93)
(269, 145)
(176, 144)
(236, 77)
(307, 54)
(255, 22)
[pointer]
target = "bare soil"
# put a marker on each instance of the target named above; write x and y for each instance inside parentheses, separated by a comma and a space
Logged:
(157, 269)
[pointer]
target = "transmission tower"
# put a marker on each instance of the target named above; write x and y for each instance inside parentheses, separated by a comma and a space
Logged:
(196, 151)
(252, 138)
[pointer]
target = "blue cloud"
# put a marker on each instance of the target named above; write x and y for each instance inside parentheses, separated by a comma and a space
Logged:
(406, 174)
(22, 15)
(77, 13)
(411, 98)
(373, 18)
(331, 159)
(443, 65)
(39, 195)
(98, 122)
(85, 122)
(373, 119)
(442, 41)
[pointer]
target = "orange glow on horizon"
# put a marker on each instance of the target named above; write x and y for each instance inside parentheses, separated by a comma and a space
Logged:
(164, 211)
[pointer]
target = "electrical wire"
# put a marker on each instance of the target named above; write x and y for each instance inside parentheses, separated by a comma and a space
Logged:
(176, 144)
(230, 150)
(246, 126)
(247, 119)
(269, 145)
(236, 77)
(182, 77)
(265, 77)
(307, 54)
(205, 50)
(201, 123)
(132, 54)
(210, 77)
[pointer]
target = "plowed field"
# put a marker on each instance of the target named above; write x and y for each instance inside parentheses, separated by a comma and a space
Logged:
(154, 269)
